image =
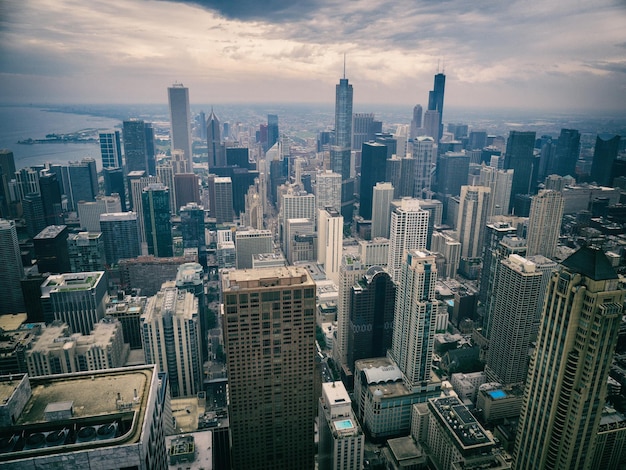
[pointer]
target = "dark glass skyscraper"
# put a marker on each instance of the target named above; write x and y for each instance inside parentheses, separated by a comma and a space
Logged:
(192, 228)
(217, 156)
(340, 152)
(156, 213)
(373, 161)
(604, 155)
(180, 119)
(135, 149)
(435, 98)
(111, 149)
(114, 183)
(567, 152)
(519, 158)
(272, 130)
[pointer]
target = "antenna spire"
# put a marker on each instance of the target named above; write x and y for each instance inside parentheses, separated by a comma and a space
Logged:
(344, 65)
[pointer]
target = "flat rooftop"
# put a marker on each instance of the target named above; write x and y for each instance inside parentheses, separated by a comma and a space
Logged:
(460, 423)
(266, 277)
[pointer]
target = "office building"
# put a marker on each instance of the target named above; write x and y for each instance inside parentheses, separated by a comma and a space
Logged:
(33, 214)
(416, 122)
(170, 330)
(472, 218)
(449, 247)
(373, 161)
(83, 181)
(252, 242)
(11, 269)
(165, 175)
(223, 200)
(340, 151)
(604, 154)
(452, 172)
(516, 294)
(180, 120)
(7, 172)
(157, 220)
(500, 183)
(148, 273)
(415, 317)
(374, 252)
(190, 278)
(382, 195)
(435, 102)
(272, 130)
(120, 234)
(298, 228)
(519, 157)
(567, 378)
(408, 231)
(295, 204)
(110, 149)
(127, 309)
(544, 223)
(78, 299)
(494, 233)
(424, 156)
(89, 212)
(328, 190)
(59, 351)
(95, 419)
(135, 146)
(114, 184)
(271, 366)
(330, 241)
(341, 442)
(86, 252)
(50, 191)
(431, 125)
(566, 153)
(193, 230)
(362, 129)
(371, 316)
(217, 154)
(51, 249)
(186, 189)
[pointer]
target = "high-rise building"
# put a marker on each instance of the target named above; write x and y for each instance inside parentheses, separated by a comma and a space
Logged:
(415, 317)
(186, 189)
(51, 197)
(373, 161)
(494, 232)
(424, 157)
(435, 100)
(114, 184)
(272, 130)
(157, 219)
(297, 233)
(371, 316)
(452, 171)
(500, 182)
(217, 154)
(330, 241)
(567, 378)
(120, 232)
(544, 223)
(519, 157)
(110, 149)
(409, 231)
(416, 122)
(350, 271)
(328, 190)
(135, 146)
(83, 181)
(86, 252)
(449, 247)
(33, 214)
(340, 152)
(516, 296)
(170, 328)
(252, 242)
(269, 339)
(190, 278)
(362, 129)
(11, 270)
(51, 249)
(180, 119)
(472, 218)
(78, 299)
(223, 200)
(295, 205)
(604, 154)
(193, 230)
(431, 125)
(341, 442)
(382, 195)
(89, 212)
(567, 153)
(165, 175)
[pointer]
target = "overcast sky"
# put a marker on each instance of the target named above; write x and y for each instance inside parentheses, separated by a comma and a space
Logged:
(541, 54)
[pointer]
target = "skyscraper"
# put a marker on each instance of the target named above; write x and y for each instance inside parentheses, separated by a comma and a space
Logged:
(362, 129)
(435, 99)
(51, 250)
(217, 155)
(567, 378)
(544, 223)
(192, 229)
(499, 181)
(519, 158)
(86, 252)
(371, 316)
(11, 269)
(416, 122)
(83, 181)
(382, 195)
(272, 130)
(120, 232)
(340, 152)
(415, 317)
(330, 241)
(110, 149)
(472, 218)
(373, 161)
(604, 154)
(516, 296)
(170, 330)
(424, 165)
(156, 213)
(252, 242)
(135, 146)
(409, 231)
(180, 119)
(223, 200)
(114, 183)
(269, 339)
(567, 153)
(328, 190)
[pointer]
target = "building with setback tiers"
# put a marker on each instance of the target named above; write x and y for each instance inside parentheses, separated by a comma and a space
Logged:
(11, 270)
(269, 338)
(567, 378)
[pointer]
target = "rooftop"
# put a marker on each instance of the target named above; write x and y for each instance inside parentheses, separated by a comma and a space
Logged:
(459, 422)
(592, 263)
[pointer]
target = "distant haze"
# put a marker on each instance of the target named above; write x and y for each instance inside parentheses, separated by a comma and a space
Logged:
(518, 54)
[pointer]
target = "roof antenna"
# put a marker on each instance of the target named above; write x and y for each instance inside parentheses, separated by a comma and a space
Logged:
(344, 65)
(438, 65)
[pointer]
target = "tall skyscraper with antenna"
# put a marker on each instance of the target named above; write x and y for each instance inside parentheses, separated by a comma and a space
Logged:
(180, 119)
(435, 98)
(340, 152)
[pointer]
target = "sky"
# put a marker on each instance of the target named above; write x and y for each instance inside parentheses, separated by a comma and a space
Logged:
(526, 54)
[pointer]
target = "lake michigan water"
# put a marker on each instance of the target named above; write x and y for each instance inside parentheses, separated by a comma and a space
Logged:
(23, 122)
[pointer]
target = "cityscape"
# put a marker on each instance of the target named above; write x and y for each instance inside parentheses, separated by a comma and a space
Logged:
(319, 269)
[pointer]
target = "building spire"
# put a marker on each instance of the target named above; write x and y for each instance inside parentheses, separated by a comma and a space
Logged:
(344, 65)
